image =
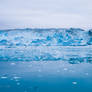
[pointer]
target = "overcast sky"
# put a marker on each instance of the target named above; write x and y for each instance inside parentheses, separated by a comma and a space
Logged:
(45, 13)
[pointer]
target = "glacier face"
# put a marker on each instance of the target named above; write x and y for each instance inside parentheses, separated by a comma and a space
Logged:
(46, 37)
(68, 45)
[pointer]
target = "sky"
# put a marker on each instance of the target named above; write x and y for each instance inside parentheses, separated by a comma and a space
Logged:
(45, 14)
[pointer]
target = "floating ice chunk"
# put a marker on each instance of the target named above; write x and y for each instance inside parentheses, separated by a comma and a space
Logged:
(13, 63)
(16, 77)
(65, 69)
(74, 82)
(3, 77)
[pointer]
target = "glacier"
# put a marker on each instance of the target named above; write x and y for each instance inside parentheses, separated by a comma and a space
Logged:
(70, 45)
(45, 37)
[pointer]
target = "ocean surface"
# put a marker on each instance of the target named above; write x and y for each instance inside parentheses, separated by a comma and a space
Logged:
(46, 60)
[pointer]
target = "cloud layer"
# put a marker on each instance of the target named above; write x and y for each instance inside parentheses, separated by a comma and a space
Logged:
(45, 13)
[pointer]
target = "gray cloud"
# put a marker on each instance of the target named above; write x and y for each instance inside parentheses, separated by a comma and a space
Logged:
(45, 13)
